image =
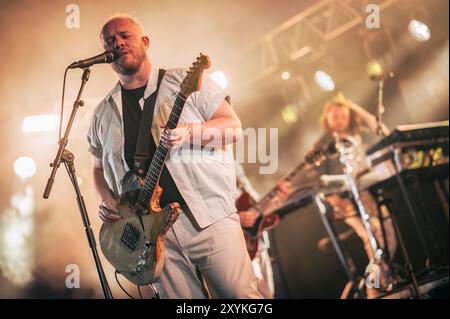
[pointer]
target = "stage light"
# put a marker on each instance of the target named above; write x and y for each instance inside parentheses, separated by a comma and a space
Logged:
(16, 244)
(220, 78)
(289, 114)
(285, 75)
(24, 167)
(17, 240)
(324, 81)
(24, 202)
(374, 68)
(419, 31)
(40, 123)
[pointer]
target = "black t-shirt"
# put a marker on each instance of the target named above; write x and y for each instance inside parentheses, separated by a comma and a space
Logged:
(132, 113)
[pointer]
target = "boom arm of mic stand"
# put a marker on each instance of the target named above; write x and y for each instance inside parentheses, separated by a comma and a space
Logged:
(63, 141)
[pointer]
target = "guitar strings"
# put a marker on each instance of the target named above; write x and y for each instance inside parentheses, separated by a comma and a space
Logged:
(136, 220)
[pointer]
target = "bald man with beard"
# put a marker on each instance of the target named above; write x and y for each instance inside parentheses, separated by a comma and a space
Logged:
(205, 247)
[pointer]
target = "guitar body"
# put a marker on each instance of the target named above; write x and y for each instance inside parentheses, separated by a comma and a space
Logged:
(262, 223)
(134, 245)
(269, 219)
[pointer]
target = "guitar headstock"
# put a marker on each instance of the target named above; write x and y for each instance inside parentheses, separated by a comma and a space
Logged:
(193, 80)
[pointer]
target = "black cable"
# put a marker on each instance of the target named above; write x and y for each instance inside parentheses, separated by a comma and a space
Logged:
(117, 279)
(62, 103)
(139, 289)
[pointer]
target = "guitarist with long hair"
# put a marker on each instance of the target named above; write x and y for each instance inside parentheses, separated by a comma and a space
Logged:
(199, 239)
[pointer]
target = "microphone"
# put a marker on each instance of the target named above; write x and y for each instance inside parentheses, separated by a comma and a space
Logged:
(382, 76)
(105, 57)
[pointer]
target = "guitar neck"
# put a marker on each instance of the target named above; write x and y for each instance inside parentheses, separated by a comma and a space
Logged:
(157, 163)
(264, 203)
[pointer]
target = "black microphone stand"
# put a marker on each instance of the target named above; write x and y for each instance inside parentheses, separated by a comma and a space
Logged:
(67, 158)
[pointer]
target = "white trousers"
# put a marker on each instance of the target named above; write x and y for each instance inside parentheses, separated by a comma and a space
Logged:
(216, 256)
(262, 266)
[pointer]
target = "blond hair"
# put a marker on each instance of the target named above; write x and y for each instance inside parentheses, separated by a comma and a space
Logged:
(121, 16)
(356, 125)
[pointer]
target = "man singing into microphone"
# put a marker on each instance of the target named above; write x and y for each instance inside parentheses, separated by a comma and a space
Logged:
(206, 243)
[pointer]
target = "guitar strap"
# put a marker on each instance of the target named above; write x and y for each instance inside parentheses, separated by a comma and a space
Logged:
(141, 154)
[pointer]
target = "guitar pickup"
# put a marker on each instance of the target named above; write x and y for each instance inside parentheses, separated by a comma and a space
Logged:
(130, 236)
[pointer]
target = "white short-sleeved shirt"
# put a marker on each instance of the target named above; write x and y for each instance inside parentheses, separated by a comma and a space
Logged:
(208, 185)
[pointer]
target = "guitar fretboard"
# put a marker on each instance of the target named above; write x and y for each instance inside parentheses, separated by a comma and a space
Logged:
(264, 203)
(159, 158)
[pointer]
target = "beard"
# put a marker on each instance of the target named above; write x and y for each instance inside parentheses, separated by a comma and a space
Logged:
(130, 67)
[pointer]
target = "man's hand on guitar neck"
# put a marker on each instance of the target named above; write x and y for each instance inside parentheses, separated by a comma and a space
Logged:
(176, 137)
(222, 128)
(284, 189)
